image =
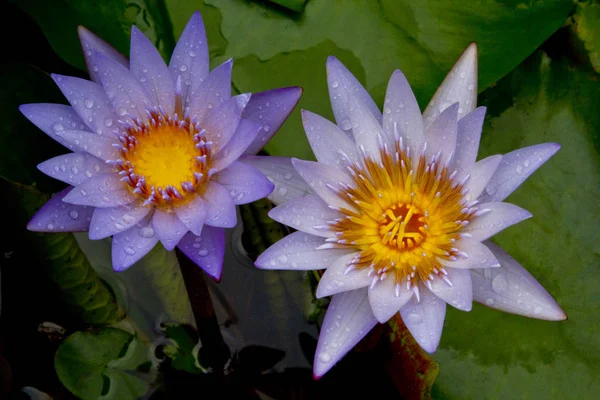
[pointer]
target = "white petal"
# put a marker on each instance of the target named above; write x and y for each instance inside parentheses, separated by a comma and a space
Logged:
(481, 172)
(304, 214)
(401, 113)
(329, 143)
(221, 208)
(74, 168)
(324, 179)
(515, 167)
(90, 43)
(130, 246)
(98, 146)
(280, 171)
(467, 139)
(193, 214)
(384, 301)
(348, 319)
(110, 221)
(169, 228)
(336, 280)
(479, 256)
(500, 217)
(53, 119)
(425, 319)
(101, 191)
(512, 289)
(460, 294)
(459, 86)
(440, 135)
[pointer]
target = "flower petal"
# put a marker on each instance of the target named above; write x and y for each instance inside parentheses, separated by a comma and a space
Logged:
(130, 246)
(222, 123)
(53, 119)
(336, 280)
(500, 217)
(244, 182)
(298, 251)
(110, 221)
(307, 214)
(244, 135)
(517, 166)
(193, 214)
(479, 256)
(348, 319)
(190, 58)
(206, 250)
(124, 91)
(280, 171)
(105, 190)
(213, 91)
(169, 228)
(425, 319)
(467, 139)
(148, 67)
(270, 108)
(91, 44)
(402, 115)
(325, 180)
(96, 145)
(460, 294)
(74, 168)
(384, 301)
(459, 86)
(512, 289)
(221, 208)
(58, 216)
(440, 134)
(481, 172)
(329, 143)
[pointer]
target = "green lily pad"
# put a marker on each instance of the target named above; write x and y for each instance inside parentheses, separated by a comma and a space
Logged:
(488, 354)
(96, 365)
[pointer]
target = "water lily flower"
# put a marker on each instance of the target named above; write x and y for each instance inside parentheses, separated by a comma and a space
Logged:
(398, 211)
(157, 150)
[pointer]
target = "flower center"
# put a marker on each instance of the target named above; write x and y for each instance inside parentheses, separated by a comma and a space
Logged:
(402, 216)
(165, 159)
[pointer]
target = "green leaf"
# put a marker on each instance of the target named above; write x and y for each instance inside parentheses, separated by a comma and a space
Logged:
(109, 19)
(587, 29)
(182, 354)
(487, 354)
(96, 365)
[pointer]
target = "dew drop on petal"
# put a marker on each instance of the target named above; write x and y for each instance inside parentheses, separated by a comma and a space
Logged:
(203, 253)
(88, 103)
(324, 357)
(499, 284)
(415, 318)
(50, 227)
(58, 127)
(146, 232)
(73, 214)
(108, 122)
(129, 251)
(489, 301)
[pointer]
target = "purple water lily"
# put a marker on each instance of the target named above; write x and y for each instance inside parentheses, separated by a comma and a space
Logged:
(157, 150)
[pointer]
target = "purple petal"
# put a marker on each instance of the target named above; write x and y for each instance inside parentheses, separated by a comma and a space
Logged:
(151, 71)
(512, 289)
(280, 171)
(221, 208)
(384, 301)
(425, 319)
(169, 228)
(500, 217)
(190, 58)
(53, 119)
(243, 136)
(459, 86)
(270, 108)
(308, 214)
(101, 191)
(460, 294)
(206, 250)
(324, 179)
(123, 89)
(89, 101)
(479, 256)
(467, 139)
(130, 246)
(91, 44)
(110, 221)
(213, 91)
(193, 214)
(481, 173)
(96, 145)
(74, 168)
(517, 166)
(58, 216)
(221, 124)
(298, 251)
(440, 134)
(329, 143)
(244, 182)
(348, 319)
(336, 279)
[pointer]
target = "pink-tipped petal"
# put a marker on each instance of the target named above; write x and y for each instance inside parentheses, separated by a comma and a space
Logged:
(221, 208)
(460, 293)
(193, 214)
(213, 91)
(244, 182)
(110, 221)
(53, 119)
(440, 134)
(101, 191)
(337, 279)
(424, 319)
(512, 289)
(384, 301)
(481, 173)
(467, 139)
(90, 43)
(329, 143)
(58, 216)
(324, 179)
(500, 217)
(298, 251)
(222, 123)
(206, 250)
(96, 145)
(348, 319)
(479, 256)
(270, 108)
(130, 246)
(169, 228)
(307, 214)
(244, 135)
(74, 168)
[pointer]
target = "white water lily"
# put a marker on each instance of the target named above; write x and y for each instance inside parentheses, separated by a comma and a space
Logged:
(398, 211)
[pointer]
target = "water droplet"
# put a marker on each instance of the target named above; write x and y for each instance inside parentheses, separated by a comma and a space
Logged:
(345, 124)
(499, 284)
(108, 122)
(470, 86)
(526, 163)
(282, 259)
(210, 106)
(401, 105)
(74, 214)
(192, 53)
(267, 127)
(287, 176)
(83, 192)
(88, 173)
(146, 232)
(325, 357)
(129, 251)
(50, 227)
(519, 169)
(122, 111)
(58, 127)
(335, 84)
(183, 67)
(489, 301)
(119, 226)
(414, 318)
(88, 103)
(537, 310)
(143, 79)
(74, 170)
(282, 191)
(203, 253)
